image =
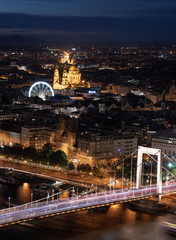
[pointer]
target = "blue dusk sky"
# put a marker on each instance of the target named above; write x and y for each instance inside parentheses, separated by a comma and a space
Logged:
(108, 20)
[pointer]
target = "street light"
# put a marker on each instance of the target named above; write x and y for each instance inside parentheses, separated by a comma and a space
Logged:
(169, 164)
(53, 195)
(110, 180)
(48, 198)
(31, 198)
(9, 201)
(147, 181)
(167, 177)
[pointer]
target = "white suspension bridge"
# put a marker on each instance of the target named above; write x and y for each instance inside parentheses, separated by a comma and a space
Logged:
(96, 196)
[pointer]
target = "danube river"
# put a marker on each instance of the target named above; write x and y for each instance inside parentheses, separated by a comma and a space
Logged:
(114, 223)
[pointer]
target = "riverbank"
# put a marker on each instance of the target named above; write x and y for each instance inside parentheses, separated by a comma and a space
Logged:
(41, 187)
(152, 205)
(54, 173)
(117, 221)
(170, 200)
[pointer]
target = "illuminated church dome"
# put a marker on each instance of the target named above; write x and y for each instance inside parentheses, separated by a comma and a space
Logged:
(73, 68)
(69, 77)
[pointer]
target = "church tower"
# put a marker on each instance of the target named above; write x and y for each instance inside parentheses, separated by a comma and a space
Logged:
(69, 77)
(65, 76)
(56, 78)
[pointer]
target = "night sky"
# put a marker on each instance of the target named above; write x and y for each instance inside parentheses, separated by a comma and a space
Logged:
(96, 20)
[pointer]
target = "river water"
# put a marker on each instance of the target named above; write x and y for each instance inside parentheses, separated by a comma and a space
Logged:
(114, 223)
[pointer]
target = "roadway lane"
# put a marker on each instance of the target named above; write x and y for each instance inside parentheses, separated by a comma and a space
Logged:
(38, 209)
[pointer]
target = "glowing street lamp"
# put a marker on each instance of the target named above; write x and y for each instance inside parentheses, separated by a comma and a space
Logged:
(169, 164)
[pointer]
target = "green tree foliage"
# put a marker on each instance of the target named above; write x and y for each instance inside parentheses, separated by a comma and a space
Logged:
(7, 150)
(71, 166)
(59, 158)
(45, 156)
(174, 171)
(47, 148)
(15, 151)
(47, 152)
(30, 153)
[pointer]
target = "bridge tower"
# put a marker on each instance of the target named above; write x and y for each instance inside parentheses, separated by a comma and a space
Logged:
(151, 151)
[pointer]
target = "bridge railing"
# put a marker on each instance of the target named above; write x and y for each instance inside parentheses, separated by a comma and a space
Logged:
(54, 198)
(54, 206)
(93, 199)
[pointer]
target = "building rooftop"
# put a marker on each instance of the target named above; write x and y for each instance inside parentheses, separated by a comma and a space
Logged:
(166, 133)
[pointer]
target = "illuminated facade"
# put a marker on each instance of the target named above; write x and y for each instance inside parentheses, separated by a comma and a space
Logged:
(90, 147)
(65, 58)
(166, 141)
(171, 95)
(33, 136)
(68, 77)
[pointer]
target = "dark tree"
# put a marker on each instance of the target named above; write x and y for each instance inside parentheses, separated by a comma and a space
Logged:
(84, 167)
(71, 166)
(59, 158)
(30, 152)
(47, 152)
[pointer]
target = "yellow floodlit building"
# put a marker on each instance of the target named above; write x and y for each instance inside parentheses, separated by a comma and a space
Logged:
(68, 77)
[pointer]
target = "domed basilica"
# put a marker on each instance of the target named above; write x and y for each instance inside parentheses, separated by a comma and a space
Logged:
(68, 77)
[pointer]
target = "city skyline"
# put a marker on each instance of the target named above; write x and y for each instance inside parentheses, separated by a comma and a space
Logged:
(81, 126)
(87, 119)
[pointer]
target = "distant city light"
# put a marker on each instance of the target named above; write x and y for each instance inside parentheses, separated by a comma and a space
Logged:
(170, 164)
(75, 160)
(92, 92)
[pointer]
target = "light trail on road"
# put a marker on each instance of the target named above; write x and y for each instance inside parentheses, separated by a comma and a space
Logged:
(53, 207)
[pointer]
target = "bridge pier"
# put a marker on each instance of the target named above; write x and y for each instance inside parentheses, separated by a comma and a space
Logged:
(150, 151)
(159, 198)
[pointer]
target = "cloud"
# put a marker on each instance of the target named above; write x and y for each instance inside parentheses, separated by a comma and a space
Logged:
(111, 8)
(95, 28)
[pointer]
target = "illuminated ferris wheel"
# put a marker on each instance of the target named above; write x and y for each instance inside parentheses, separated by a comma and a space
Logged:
(41, 90)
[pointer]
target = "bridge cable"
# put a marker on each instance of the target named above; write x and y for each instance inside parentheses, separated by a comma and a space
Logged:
(56, 194)
(162, 166)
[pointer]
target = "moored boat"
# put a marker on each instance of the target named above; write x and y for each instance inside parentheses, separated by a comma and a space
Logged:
(169, 227)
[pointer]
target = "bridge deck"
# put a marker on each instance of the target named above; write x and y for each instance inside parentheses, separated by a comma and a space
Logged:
(53, 207)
